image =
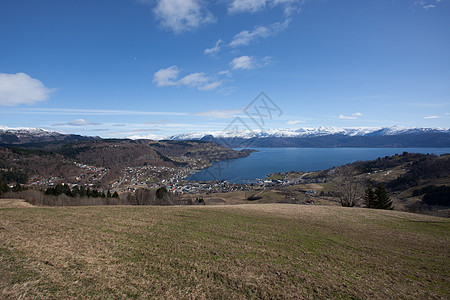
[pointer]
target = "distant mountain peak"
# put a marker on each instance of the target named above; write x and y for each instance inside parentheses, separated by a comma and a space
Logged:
(310, 132)
(22, 135)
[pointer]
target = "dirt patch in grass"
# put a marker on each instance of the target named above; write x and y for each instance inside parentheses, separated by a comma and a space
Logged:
(240, 251)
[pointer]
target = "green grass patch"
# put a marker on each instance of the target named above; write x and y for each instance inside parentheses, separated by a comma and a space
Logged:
(248, 251)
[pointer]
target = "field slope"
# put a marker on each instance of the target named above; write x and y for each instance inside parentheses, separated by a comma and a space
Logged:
(242, 251)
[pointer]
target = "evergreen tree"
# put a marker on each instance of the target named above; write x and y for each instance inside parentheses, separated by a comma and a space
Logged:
(17, 187)
(50, 191)
(75, 191)
(83, 192)
(369, 197)
(161, 192)
(115, 195)
(3, 187)
(58, 189)
(382, 200)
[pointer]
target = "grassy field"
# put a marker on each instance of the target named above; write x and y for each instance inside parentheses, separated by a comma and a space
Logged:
(236, 251)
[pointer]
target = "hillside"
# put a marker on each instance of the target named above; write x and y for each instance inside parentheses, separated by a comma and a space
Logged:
(111, 164)
(227, 252)
(415, 182)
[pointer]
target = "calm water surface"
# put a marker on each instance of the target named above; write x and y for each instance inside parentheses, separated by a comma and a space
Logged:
(269, 160)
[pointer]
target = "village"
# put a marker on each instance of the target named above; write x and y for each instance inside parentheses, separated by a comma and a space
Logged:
(173, 179)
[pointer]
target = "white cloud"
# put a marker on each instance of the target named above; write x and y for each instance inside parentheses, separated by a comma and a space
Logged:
(293, 122)
(346, 117)
(431, 117)
(182, 15)
(244, 63)
(427, 4)
(219, 114)
(166, 77)
(96, 112)
(169, 77)
(245, 37)
(253, 6)
(20, 88)
(214, 49)
(81, 122)
(210, 86)
(225, 73)
(194, 79)
(249, 62)
(352, 117)
(77, 122)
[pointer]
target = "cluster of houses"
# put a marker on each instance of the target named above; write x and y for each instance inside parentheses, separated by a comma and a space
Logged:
(173, 178)
(89, 177)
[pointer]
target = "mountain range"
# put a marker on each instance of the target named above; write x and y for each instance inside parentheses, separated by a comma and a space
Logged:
(24, 135)
(323, 137)
(395, 136)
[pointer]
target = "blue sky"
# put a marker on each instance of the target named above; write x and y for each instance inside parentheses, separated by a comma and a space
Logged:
(123, 67)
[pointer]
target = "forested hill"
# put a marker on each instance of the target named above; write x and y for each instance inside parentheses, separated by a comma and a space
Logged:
(106, 162)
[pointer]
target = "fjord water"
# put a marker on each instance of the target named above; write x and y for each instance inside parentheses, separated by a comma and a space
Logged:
(270, 160)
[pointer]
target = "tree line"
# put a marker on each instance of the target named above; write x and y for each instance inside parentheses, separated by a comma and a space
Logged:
(60, 189)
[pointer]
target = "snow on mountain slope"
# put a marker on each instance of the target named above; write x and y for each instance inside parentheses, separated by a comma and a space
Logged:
(27, 131)
(310, 132)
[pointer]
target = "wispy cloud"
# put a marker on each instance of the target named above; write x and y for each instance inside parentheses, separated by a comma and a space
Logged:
(352, 117)
(245, 37)
(293, 122)
(427, 4)
(215, 49)
(243, 62)
(20, 88)
(77, 122)
(249, 62)
(201, 81)
(430, 104)
(219, 114)
(166, 77)
(431, 117)
(181, 15)
(253, 6)
(226, 73)
(95, 112)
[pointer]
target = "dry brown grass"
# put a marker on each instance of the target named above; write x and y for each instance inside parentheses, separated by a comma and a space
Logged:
(11, 203)
(242, 251)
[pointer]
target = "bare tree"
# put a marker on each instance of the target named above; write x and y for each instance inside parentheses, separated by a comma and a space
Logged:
(350, 187)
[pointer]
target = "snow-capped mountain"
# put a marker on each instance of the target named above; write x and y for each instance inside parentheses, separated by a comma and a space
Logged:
(306, 132)
(26, 131)
(22, 135)
(395, 136)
